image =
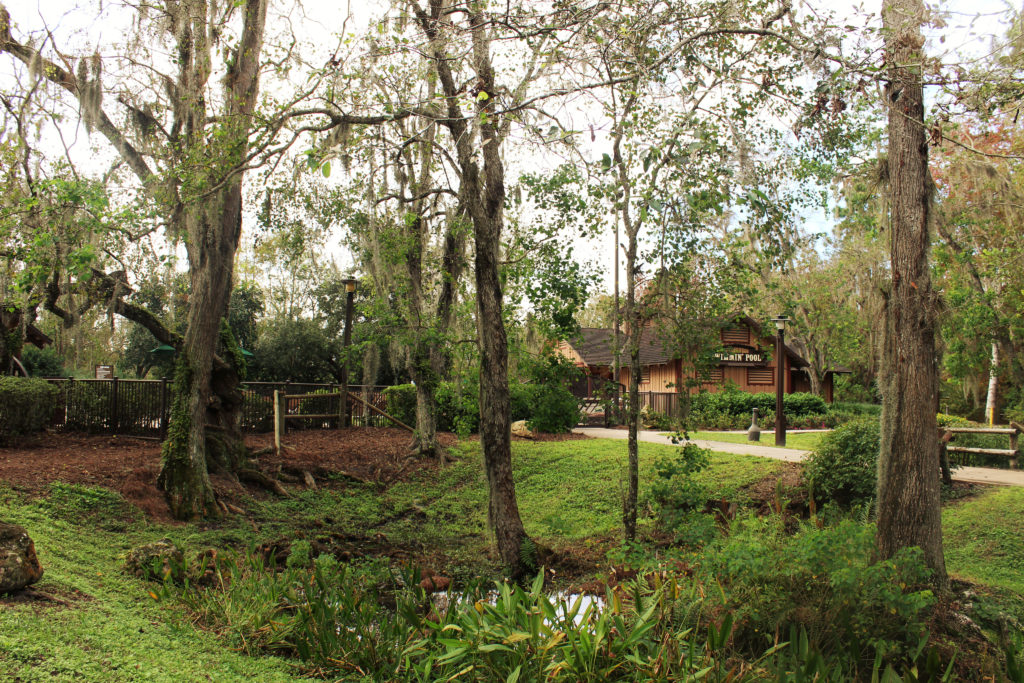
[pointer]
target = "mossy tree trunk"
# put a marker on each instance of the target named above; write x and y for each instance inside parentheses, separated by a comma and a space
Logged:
(199, 192)
(211, 214)
(909, 511)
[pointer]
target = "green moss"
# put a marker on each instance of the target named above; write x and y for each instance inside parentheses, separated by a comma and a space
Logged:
(233, 350)
(174, 450)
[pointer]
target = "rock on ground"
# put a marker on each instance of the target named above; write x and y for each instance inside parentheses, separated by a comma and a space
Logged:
(520, 429)
(158, 560)
(19, 566)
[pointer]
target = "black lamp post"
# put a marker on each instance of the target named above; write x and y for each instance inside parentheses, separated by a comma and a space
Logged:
(780, 381)
(350, 295)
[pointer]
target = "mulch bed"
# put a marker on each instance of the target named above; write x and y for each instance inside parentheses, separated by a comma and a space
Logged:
(130, 466)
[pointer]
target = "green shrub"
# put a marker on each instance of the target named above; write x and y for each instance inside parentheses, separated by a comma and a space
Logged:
(522, 400)
(26, 406)
(401, 402)
(822, 580)
(802, 403)
(43, 362)
(849, 408)
(553, 407)
(457, 407)
(674, 491)
(545, 402)
(843, 468)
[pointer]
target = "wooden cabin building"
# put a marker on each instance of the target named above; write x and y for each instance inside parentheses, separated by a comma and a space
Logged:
(746, 360)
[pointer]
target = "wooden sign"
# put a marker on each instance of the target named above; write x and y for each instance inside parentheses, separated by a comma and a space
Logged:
(104, 372)
(743, 357)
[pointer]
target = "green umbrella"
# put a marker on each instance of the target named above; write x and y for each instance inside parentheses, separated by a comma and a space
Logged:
(164, 350)
(247, 354)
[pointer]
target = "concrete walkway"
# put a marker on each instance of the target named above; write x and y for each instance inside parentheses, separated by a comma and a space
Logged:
(977, 475)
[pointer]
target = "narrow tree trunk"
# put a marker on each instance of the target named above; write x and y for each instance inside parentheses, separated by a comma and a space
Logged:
(421, 371)
(482, 188)
(635, 331)
(908, 477)
(993, 386)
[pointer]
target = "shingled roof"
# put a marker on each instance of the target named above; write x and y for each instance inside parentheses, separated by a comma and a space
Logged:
(595, 345)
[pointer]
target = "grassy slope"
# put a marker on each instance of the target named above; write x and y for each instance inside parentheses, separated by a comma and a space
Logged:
(805, 442)
(984, 538)
(118, 633)
(567, 490)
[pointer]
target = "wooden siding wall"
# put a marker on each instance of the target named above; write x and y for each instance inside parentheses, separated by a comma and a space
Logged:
(668, 377)
(569, 352)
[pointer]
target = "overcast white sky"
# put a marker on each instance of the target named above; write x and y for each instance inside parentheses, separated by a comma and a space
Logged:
(971, 28)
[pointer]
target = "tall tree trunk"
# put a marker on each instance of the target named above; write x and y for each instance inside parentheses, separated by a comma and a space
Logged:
(212, 221)
(634, 331)
(908, 477)
(186, 460)
(482, 187)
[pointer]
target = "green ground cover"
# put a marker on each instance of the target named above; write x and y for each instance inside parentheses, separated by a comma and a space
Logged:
(112, 629)
(806, 441)
(984, 538)
(569, 495)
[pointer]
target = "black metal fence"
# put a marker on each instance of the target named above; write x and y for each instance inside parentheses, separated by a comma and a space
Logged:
(141, 407)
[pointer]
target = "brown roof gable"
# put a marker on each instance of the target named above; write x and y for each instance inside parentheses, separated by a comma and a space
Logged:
(595, 345)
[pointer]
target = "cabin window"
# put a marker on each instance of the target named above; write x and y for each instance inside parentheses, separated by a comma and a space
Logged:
(714, 376)
(645, 375)
(760, 375)
(735, 335)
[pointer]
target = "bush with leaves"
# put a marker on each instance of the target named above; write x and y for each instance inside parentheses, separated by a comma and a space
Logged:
(826, 581)
(843, 468)
(43, 362)
(554, 408)
(458, 407)
(674, 491)
(26, 406)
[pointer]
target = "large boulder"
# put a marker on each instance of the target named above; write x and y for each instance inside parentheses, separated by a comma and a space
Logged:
(159, 560)
(520, 429)
(19, 566)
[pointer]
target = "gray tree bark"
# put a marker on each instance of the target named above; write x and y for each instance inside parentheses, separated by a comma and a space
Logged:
(908, 477)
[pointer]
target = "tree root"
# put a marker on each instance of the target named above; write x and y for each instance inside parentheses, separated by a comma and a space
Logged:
(323, 473)
(257, 477)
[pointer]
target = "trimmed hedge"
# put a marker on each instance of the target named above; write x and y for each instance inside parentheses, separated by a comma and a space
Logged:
(26, 406)
(742, 403)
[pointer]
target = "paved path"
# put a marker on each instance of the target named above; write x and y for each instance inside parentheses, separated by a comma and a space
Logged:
(978, 475)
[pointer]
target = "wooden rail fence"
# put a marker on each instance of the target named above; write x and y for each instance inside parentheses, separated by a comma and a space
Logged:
(947, 434)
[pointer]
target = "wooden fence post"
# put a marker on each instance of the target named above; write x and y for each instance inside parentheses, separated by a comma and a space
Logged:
(278, 421)
(342, 403)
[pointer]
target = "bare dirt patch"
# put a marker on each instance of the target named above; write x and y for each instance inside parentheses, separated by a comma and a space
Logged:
(43, 597)
(130, 466)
